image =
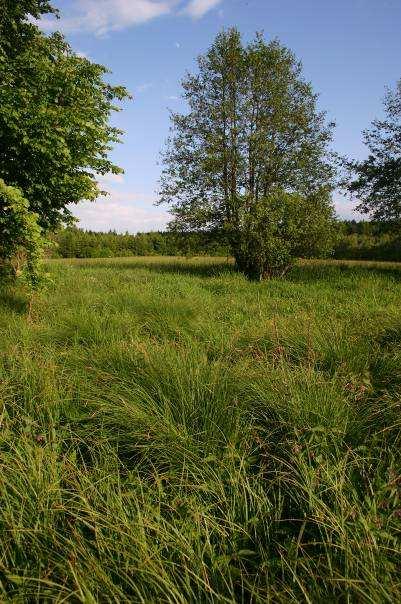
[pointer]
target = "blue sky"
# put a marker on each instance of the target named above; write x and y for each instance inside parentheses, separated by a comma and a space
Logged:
(350, 49)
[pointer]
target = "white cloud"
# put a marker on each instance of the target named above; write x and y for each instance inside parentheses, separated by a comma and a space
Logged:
(198, 8)
(131, 211)
(103, 16)
(121, 211)
(134, 212)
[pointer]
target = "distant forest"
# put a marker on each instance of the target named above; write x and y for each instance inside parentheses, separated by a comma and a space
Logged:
(362, 240)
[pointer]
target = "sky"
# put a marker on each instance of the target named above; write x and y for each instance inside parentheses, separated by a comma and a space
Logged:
(350, 50)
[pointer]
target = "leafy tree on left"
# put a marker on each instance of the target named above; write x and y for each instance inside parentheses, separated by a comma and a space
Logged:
(54, 115)
(55, 108)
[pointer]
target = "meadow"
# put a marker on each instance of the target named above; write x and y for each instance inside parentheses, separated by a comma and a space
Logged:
(171, 432)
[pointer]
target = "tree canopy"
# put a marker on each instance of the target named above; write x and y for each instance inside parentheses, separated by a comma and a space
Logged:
(55, 108)
(376, 181)
(252, 135)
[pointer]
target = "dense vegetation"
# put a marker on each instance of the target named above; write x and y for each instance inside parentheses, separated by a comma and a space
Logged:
(77, 243)
(353, 240)
(173, 433)
(21, 242)
(368, 241)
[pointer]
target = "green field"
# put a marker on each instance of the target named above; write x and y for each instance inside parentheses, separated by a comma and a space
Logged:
(171, 432)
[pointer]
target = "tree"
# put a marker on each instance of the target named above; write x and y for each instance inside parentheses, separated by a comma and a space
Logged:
(376, 182)
(55, 107)
(251, 138)
(16, 28)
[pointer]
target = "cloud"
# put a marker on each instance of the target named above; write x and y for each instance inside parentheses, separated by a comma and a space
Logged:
(134, 212)
(103, 16)
(198, 8)
(121, 211)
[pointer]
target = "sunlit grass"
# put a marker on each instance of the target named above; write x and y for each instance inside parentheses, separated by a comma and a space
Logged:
(171, 432)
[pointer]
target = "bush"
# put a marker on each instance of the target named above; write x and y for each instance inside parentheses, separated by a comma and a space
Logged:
(21, 239)
(281, 227)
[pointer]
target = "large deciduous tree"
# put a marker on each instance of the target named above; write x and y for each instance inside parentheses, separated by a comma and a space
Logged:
(376, 181)
(250, 156)
(55, 107)
(54, 134)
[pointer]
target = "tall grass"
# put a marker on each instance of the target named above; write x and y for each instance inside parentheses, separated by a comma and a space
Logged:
(173, 433)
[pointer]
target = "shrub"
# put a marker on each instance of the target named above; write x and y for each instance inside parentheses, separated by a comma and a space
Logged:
(21, 239)
(281, 227)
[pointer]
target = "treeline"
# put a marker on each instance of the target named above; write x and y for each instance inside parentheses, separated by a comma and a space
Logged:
(368, 240)
(362, 240)
(77, 243)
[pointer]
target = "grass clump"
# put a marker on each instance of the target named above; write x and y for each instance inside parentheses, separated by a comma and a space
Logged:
(172, 433)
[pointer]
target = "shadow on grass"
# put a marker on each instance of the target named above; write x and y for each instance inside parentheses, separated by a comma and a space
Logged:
(14, 302)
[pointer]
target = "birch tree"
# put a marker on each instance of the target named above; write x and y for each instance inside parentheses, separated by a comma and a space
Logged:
(252, 136)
